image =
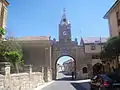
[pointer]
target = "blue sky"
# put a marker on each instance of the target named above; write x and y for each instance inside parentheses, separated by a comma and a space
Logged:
(41, 17)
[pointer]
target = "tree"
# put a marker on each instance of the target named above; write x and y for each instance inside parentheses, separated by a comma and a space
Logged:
(14, 58)
(10, 45)
(105, 56)
(111, 49)
(11, 50)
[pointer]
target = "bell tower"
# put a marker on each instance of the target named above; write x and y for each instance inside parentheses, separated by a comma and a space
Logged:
(64, 29)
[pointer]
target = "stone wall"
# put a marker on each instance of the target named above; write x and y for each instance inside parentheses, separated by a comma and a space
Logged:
(2, 81)
(22, 81)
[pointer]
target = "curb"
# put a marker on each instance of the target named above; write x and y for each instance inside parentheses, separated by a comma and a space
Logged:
(44, 85)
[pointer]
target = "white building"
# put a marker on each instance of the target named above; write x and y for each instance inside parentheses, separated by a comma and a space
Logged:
(69, 66)
(59, 67)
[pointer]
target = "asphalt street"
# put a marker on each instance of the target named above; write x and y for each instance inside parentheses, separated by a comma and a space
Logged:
(66, 83)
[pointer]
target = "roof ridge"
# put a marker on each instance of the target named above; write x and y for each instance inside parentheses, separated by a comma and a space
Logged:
(111, 8)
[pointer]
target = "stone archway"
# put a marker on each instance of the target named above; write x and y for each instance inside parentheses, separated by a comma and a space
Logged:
(56, 54)
(74, 70)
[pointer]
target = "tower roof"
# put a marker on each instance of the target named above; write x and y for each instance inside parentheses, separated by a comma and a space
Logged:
(64, 19)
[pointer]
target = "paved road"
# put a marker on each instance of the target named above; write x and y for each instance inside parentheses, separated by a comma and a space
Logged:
(61, 76)
(67, 84)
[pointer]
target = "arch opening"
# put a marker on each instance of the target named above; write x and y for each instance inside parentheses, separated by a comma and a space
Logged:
(65, 68)
(98, 68)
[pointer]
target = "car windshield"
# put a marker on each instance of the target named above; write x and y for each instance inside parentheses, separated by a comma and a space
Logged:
(105, 77)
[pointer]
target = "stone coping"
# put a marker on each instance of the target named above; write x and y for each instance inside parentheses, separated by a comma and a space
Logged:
(19, 74)
(22, 74)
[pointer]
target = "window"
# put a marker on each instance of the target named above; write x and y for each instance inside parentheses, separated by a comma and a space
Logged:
(118, 18)
(102, 47)
(95, 56)
(85, 70)
(93, 47)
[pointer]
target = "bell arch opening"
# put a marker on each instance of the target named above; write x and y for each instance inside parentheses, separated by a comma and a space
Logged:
(65, 68)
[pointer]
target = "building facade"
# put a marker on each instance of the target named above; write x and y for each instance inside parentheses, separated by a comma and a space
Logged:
(92, 46)
(113, 16)
(69, 66)
(3, 14)
(59, 67)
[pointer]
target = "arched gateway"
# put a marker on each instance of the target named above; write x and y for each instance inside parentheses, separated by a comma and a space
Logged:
(65, 46)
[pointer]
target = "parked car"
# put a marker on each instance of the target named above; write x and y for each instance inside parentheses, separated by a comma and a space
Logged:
(115, 76)
(101, 82)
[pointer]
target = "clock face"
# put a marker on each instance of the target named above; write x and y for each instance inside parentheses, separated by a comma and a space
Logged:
(64, 33)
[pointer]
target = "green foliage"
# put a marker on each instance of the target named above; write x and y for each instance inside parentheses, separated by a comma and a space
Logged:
(12, 51)
(14, 58)
(111, 49)
(104, 55)
(7, 46)
(2, 31)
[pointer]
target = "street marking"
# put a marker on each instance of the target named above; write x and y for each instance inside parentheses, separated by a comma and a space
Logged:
(82, 81)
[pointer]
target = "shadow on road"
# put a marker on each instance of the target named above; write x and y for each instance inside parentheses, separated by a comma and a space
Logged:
(81, 86)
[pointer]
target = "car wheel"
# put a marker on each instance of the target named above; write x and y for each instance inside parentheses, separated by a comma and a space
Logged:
(93, 88)
(102, 88)
(117, 89)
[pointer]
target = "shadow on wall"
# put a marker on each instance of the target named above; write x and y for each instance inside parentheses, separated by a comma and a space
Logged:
(81, 86)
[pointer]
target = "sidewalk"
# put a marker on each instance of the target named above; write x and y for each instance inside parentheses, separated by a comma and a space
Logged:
(44, 85)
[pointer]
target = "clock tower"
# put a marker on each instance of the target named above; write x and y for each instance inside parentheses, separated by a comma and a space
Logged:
(64, 29)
